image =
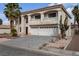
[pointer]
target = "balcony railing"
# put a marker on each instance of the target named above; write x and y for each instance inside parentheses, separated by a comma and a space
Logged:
(53, 20)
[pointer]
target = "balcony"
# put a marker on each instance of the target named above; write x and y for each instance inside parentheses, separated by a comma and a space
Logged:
(44, 21)
(50, 17)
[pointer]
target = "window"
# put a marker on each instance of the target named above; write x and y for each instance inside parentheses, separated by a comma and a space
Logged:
(52, 15)
(26, 30)
(37, 16)
(27, 20)
(20, 29)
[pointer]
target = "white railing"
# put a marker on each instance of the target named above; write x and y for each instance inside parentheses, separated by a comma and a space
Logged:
(53, 20)
(35, 19)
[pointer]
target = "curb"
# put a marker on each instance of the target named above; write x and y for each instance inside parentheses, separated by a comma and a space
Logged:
(67, 44)
(35, 51)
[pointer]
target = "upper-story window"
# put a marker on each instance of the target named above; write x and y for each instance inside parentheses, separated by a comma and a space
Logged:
(52, 15)
(26, 18)
(37, 16)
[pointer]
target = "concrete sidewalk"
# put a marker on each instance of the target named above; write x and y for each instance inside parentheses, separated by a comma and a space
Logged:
(74, 44)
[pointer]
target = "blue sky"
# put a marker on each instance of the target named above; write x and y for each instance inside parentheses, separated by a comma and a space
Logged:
(31, 6)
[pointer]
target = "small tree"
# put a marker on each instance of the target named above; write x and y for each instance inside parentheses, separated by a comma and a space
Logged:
(1, 21)
(75, 12)
(63, 27)
(14, 33)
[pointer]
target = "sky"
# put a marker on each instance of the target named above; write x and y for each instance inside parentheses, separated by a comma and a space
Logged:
(32, 6)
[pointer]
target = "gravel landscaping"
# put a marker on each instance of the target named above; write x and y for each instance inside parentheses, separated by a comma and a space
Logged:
(59, 44)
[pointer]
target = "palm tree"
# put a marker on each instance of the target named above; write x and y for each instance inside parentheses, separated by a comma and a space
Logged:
(63, 27)
(1, 21)
(12, 12)
(75, 12)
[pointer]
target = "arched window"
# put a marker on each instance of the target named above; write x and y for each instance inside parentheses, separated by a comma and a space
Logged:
(26, 18)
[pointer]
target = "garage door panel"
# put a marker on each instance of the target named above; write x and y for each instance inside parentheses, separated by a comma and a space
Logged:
(34, 31)
(44, 31)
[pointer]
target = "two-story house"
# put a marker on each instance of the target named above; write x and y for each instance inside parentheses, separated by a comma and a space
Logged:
(44, 21)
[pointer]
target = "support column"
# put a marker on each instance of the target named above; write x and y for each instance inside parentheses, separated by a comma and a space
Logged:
(22, 26)
(42, 16)
(59, 15)
(29, 19)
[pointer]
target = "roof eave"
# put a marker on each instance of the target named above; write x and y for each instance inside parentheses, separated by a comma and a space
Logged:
(56, 6)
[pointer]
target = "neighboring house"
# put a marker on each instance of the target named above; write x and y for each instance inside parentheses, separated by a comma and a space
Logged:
(4, 29)
(44, 21)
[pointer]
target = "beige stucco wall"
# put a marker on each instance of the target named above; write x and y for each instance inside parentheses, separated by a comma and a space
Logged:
(42, 21)
(68, 32)
(2, 31)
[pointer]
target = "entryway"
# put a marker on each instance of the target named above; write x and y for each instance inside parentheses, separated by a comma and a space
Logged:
(26, 30)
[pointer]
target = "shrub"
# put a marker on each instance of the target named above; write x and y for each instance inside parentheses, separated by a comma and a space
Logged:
(13, 32)
(63, 27)
(77, 32)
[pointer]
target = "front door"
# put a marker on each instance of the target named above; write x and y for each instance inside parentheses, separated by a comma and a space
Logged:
(26, 30)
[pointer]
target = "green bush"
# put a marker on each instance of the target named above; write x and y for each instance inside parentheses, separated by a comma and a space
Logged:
(63, 27)
(77, 32)
(13, 32)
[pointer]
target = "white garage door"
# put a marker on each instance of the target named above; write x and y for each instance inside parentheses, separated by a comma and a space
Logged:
(44, 31)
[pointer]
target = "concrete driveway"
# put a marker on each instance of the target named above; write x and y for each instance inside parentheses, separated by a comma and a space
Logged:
(33, 42)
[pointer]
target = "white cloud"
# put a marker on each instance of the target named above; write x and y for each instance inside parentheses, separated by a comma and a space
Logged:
(51, 4)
